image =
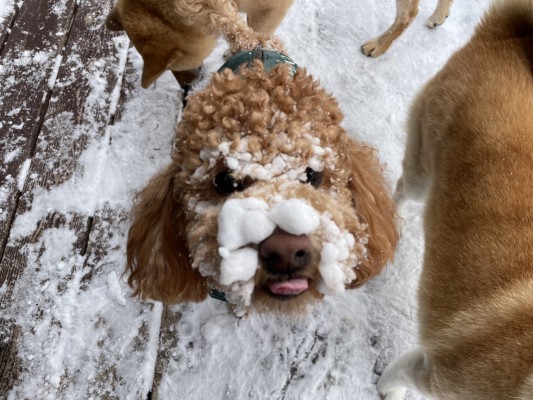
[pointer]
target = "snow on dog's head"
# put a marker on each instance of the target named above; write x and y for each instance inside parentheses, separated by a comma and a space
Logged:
(267, 199)
(245, 229)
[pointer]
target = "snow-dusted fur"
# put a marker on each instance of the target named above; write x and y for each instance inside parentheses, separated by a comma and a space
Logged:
(278, 138)
(179, 34)
(470, 146)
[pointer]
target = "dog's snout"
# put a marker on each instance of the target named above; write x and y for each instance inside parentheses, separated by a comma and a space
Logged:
(283, 252)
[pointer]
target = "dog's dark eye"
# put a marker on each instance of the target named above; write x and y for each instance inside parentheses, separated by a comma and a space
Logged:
(313, 177)
(225, 184)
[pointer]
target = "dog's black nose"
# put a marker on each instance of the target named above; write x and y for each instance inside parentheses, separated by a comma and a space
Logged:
(283, 252)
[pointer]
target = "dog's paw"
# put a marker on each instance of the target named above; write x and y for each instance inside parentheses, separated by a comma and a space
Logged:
(436, 19)
(373, 48)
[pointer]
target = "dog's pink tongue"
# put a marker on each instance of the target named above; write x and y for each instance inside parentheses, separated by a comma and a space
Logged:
(290, 287)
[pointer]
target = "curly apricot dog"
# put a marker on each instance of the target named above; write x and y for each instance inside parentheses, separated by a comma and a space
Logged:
(267, 199)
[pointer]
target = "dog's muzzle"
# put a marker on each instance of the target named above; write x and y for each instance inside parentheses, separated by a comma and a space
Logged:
(284, 255)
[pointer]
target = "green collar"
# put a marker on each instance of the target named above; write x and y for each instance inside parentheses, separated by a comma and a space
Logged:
(217, 294)
(269, 58)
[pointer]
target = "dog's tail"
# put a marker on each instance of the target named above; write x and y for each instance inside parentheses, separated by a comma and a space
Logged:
(507, 19)
(221, 17)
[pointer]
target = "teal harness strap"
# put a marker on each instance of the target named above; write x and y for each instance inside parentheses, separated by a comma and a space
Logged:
(269, 58)
(217, 294)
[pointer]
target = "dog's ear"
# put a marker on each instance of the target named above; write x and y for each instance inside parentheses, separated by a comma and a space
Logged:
(158, 260)
(154, 66)
(374, 207)
(155, 63)
(113, 21)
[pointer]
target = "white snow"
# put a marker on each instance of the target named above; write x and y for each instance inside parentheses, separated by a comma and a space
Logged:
(237, 265)
(330, 272)
(23, 174)
(243, 221)
(295, 216)
(121, 45)
(114, 289)
(55, 71)
(11, 155)
(6, 7)
(248, 221)
(244, 163)
(87, 333)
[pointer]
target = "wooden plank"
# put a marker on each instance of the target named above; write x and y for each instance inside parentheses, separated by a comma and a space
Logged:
(168, 340)
(29, 47)
(6, 24)
(27, 66)
(137, 343)
(106, 247)
(78, 112)
(105, 257)
(8, 356)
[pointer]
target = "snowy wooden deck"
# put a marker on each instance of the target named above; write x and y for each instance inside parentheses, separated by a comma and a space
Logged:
(78, 137)
(66, 329)
(54, 55)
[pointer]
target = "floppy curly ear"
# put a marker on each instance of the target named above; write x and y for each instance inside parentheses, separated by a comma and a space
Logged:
(158, 260)
(374, 207)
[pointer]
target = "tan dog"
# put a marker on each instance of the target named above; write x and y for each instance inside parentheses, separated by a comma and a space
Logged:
(406, 11)
(179, 34)
(470, 145)
(267, 199)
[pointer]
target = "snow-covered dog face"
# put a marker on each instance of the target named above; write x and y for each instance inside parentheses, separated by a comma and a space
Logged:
(267, 199)
(276, 241)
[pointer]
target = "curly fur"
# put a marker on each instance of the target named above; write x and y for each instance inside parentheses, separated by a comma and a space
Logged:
(173, 249)
(275, 113)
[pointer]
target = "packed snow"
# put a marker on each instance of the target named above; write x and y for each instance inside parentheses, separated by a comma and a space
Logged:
(6, 7)
(87, 338)
(295, 216)
(244, 163)
(248, 221)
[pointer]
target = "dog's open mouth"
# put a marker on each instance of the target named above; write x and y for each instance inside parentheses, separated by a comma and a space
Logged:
(290, 287)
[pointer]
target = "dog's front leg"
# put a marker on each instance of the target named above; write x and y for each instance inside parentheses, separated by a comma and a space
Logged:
(406, 11)
(411, 370)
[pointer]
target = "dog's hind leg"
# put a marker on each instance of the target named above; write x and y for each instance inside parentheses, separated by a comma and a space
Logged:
(406, 11)
(418, 161)
(265, 16)
(441, 13)
(409, 371)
